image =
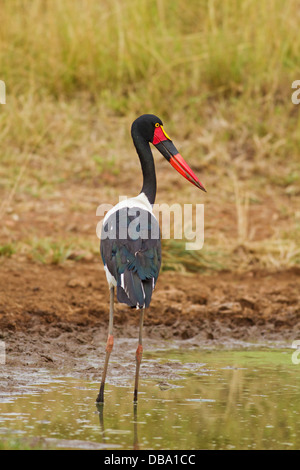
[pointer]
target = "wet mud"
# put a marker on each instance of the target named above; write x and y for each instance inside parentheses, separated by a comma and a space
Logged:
(55, 318)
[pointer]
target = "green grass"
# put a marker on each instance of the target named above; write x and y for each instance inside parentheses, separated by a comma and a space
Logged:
(234, 59)
(22, 444)
(7, 250)
(177, 258)
(162, 54)
(51, 250)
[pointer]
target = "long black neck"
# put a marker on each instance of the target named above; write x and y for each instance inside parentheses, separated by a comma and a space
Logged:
(148, 168)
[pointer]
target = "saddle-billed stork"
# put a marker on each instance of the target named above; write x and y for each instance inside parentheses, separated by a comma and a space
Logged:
(130, 239)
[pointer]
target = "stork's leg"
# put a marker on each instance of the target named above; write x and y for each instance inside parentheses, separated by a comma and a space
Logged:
(139, 353)
(109, 346)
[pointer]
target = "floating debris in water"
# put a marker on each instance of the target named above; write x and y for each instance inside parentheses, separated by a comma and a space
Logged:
(202, 400)
(167, 386)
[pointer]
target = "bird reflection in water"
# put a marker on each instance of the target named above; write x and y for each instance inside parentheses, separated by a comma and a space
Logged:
(100, 409)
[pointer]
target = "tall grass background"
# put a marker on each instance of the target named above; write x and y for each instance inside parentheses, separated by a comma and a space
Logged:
(167, 53)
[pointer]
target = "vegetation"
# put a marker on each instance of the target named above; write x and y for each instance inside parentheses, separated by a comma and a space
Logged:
(219, 73)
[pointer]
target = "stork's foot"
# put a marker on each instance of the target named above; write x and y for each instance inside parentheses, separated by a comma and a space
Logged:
(108, 349)
(100, 397)
(138, 355)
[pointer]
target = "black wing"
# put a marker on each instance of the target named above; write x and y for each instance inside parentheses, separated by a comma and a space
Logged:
(131, 251)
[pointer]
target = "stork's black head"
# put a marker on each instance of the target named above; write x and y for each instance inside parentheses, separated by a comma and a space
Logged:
(144, 126)
(149, 128)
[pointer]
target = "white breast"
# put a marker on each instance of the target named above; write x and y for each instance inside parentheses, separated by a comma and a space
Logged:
(139, 201)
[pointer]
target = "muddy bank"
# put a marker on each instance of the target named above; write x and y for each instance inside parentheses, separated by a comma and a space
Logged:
(55, 317)
(50, 301)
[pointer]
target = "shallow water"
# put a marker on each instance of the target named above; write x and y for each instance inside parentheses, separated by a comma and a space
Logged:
(223, 400)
